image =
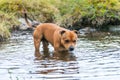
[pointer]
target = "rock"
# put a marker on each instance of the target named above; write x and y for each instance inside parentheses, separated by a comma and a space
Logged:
(86, 30)
(92, 32)
(35, 23)
(24, 26)
(114, 28)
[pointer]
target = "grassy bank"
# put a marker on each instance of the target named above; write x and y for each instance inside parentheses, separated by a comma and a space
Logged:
(75, 13)
(7, 22)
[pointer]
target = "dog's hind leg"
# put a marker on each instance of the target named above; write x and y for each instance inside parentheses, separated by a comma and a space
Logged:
(45, 45)
(45, 48)
(37, 39)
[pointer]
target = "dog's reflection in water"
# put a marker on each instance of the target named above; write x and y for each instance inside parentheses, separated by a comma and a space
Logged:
(65, 56)
(46, 54)
(49, 62)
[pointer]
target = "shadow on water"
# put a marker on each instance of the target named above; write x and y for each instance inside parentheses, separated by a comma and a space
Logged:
(94, 59)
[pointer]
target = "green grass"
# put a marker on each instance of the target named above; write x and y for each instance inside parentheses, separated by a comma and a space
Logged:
(7, 20)
(4, 32)
(65, 13)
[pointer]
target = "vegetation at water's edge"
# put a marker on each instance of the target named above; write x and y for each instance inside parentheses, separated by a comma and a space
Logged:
(76, 13)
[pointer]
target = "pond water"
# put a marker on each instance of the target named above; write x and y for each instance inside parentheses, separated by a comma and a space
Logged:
(93, 59)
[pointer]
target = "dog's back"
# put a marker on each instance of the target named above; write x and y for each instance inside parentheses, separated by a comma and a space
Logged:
(47, 30)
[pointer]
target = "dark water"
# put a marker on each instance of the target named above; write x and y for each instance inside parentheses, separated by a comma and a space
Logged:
(93, 59)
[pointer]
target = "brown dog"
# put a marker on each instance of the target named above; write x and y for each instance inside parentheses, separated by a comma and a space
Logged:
(60, 38)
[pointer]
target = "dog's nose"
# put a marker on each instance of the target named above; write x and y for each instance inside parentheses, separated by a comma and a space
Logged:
(71, 48)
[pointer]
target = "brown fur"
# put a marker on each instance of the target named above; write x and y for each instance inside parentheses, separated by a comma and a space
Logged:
(55, 35)
(60, 38)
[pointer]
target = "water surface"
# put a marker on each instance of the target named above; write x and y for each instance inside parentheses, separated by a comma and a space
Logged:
(93, 59)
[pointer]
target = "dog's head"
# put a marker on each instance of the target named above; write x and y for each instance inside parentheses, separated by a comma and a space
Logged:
(68, 39)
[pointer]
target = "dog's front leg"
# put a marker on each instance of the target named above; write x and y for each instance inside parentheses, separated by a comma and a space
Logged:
(59, 48)
(56, 47)
(57, 44)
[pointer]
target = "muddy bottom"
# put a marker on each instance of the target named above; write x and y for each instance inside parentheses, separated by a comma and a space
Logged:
(93, 59)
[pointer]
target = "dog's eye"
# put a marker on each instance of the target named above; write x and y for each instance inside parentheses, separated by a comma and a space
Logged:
(67, 41)
(74, 41)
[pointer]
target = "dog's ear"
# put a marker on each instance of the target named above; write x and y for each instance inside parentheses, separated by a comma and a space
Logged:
(75, 31)
(62, 32)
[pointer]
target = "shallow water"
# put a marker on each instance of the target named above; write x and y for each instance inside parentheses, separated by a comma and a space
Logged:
(93, 59)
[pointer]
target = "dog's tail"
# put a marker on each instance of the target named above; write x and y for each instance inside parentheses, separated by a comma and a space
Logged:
(25, 16)
(30, 24)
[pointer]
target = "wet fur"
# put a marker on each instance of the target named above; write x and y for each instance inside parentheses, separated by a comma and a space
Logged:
(53, 34)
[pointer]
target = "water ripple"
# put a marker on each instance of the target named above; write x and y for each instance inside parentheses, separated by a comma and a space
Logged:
(92, 60)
